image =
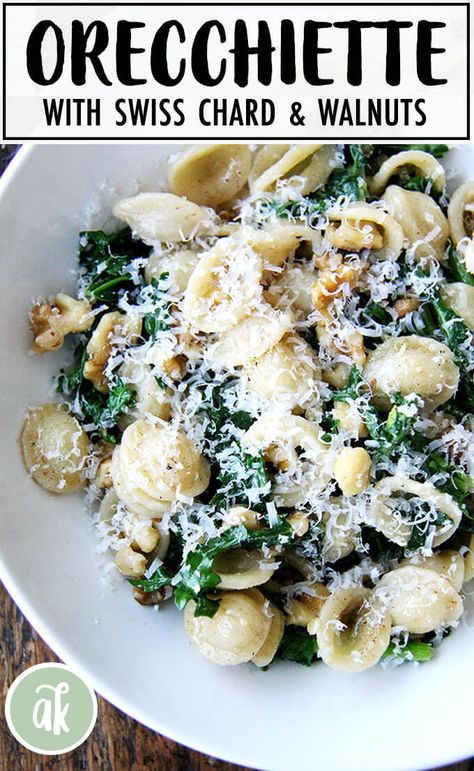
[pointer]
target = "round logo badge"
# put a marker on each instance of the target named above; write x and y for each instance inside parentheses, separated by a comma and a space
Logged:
(50, 709)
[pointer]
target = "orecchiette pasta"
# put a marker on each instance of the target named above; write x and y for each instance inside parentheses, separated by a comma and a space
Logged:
(178, 265)
(424, 224)
(286, 375)
(267, 652)
(420, 599)
(353, 630)
(236, 633)
(460, 209)
(224, 286)
(250, 339)
(154, 464)
(210, 174)
(100, 345)
(55, 448)
(311, 164)
(295, 447)
(254, 400)
(362, 226)
(412, 364)
(305, 608)
(385, 516)
(424, 164)
(460, 297)
(449, 563)
(162, 217)
(240, 569)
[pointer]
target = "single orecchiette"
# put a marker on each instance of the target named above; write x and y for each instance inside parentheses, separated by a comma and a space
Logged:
(55, 448)
(239, 515)
(424, 164)
(460, 212)
(412, 364)
(113, 324)
(210, 174)
(341, 531)
(305, 607)
(51, 322)
(250, 339)
(424, 224)
(469, 561)
(353, 630)
(163, 217)
(241, 569)
(236, 632)
(447, 562)
(349, 419)
(311, 164)
(360, 226)
(287, 374)
(149, 395)
(224, 286)
(352, 470)
(178, 264)
(267, 652)
(420, 600)
(153, 465)
(295, 447)
(385, 516)
(460, 297)
(291, 290)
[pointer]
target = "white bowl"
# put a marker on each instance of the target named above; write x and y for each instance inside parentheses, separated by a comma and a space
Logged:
(286, 718)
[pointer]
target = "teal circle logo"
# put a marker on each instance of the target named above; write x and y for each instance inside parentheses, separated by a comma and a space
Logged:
(50, 709)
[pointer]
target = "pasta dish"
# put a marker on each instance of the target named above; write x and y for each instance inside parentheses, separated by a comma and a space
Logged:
(270, 399)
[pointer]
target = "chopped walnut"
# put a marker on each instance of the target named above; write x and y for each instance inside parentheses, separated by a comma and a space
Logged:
(148, 598)
(51, 322)
(405, 305)
(335, 333)
(103, 477)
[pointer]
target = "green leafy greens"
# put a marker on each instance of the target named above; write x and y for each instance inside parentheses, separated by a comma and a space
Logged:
(196, 577)
(298, 645)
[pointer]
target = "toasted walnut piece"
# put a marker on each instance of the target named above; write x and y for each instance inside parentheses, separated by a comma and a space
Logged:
(100, 345)
(51, 322)
(333, 284)
(103, 477)
(405, 305)
(351, 237)
(148, 598)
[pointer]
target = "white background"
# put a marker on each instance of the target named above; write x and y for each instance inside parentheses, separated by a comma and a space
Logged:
(445, 106)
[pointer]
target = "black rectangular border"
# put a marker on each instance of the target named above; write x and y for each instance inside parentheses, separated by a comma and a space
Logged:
(157, 140)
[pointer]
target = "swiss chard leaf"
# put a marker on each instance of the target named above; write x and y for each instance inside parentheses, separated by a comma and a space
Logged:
(411, 650)
(159, 320)
(456, 335)
(158, 580)
(104, 259)
(196, 576)
(298, 645)
(458, 270)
